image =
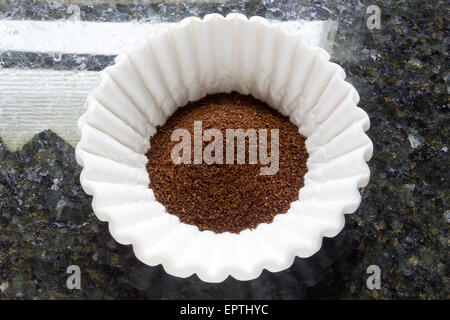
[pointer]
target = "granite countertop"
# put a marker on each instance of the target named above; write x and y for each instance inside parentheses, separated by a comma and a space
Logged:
(401, 73)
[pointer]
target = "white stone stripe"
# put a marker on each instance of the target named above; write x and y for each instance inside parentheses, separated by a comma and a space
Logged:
(77, 37)
(110, 38)
(35, 100)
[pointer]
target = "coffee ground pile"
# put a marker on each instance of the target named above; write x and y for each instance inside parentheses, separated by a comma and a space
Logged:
(227, 197)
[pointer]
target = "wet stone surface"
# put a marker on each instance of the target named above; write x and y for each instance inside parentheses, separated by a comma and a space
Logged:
(401, 74)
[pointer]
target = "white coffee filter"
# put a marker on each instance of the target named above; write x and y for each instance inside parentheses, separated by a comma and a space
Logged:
(183, 63)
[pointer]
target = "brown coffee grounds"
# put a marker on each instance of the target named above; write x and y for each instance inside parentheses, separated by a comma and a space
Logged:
(227, 197)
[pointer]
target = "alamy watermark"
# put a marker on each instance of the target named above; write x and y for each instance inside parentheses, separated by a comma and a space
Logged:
(374, 280)
(74, 280)
(214, 150)
(374, 20)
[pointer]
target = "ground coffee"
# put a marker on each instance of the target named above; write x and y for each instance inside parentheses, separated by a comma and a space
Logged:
(227, 197)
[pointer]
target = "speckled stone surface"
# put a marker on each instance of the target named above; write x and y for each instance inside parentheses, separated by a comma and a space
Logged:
(402, 225)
